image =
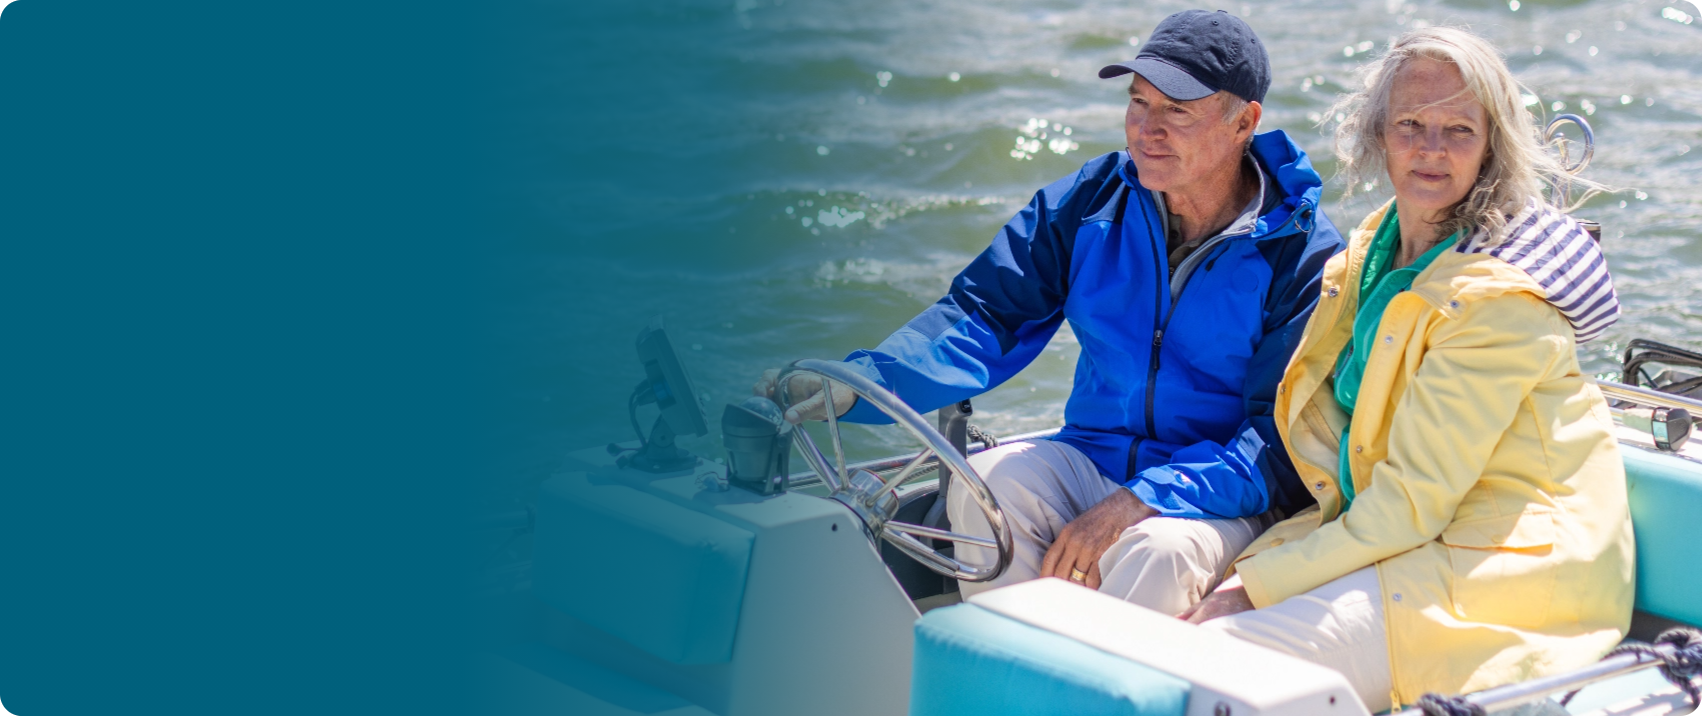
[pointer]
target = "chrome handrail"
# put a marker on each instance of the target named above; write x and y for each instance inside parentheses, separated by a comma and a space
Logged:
(1649, 398)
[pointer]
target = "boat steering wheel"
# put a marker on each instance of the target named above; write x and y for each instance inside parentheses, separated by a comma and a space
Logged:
(873, 499)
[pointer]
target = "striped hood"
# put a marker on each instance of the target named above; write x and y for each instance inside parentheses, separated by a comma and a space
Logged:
(1560, 256)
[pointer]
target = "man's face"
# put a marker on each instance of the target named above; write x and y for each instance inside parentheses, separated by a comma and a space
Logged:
(1177, 143)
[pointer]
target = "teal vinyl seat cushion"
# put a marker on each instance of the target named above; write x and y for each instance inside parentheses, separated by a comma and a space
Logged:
(1666, 514)
(665, 578)
(973, 662)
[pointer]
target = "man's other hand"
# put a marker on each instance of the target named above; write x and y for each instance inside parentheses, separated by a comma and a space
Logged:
(808, 400)
(1075, 554)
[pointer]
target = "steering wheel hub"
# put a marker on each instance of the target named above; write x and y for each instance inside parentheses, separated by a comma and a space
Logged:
(865, 497)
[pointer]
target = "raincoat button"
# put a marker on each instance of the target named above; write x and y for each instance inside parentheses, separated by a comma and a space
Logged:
(1454, 304)
(1318, 486)
(1332, 292)
(1397, 596)
(1359, 448)
(1388, 339)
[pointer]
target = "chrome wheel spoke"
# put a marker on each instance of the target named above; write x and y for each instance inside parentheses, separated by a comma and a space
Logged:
(913, 547)
(818, 462)
(921, 531)
(903, 475)
(833, 430)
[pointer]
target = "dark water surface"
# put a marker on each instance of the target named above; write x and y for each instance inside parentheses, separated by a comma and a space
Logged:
(797, 178)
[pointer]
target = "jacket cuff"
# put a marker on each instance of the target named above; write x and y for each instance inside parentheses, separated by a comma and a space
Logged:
(1252, 581)
(1156, 486)
(862, 411)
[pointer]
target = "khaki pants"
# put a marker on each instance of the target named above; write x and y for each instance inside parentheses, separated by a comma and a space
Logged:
(1338, 625)
(1169, 564)
(1163, 563)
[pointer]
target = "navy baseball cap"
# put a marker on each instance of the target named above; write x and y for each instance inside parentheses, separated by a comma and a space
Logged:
(1195, 53)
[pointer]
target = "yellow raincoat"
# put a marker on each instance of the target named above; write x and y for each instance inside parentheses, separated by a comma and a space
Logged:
(1490, 492)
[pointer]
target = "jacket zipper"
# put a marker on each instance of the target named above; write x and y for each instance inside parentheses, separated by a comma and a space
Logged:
(1157, 340)
(1158, 262)
(1161, 320)
(1164, 324)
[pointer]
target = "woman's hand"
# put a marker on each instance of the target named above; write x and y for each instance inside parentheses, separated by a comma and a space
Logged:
(1230, 598)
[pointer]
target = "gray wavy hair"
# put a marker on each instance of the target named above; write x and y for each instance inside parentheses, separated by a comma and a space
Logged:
(1517, 165)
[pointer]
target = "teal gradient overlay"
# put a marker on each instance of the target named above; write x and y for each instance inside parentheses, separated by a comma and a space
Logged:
(972, 662)
(662, 158)
(686, 612)
(289, 290)
(243, 340)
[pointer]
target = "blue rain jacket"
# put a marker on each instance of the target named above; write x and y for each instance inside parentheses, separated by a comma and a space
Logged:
(1173, 399)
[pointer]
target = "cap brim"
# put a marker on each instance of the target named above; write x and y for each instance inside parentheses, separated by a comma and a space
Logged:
(1169, 79)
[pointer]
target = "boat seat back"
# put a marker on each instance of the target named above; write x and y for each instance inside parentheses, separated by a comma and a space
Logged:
(1048, 646)
(1666, 514)
(659, 576)
(974, 662)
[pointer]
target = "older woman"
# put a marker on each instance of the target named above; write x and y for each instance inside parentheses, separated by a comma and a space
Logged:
(1471, 527)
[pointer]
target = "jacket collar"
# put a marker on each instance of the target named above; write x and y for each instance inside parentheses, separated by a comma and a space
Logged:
(1453, 280)
(1555, 252)
(1298, 184)
(1293, 186)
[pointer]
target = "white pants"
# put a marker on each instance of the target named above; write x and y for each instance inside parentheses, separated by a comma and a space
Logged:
(1338, 625)
(1163, 563)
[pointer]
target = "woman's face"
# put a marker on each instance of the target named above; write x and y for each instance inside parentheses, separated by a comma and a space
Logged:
(1436, 138)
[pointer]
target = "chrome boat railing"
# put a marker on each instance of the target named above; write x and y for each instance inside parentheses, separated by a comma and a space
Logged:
(1649, 398)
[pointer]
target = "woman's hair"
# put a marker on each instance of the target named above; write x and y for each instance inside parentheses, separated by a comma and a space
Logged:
(1517, 164)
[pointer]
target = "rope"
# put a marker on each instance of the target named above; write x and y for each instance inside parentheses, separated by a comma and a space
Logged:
(1439, 705)
(984, 437)
(1682, 666)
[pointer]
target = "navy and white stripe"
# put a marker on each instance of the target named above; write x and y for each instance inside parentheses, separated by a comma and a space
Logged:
(1561, 257)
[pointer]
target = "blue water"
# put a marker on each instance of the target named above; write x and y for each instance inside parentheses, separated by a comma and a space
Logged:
(794, 178)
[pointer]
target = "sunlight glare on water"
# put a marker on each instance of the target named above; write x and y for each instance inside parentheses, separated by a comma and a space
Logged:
(825, 168)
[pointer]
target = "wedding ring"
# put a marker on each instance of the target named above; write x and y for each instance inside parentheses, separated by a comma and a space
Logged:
(1077, 575)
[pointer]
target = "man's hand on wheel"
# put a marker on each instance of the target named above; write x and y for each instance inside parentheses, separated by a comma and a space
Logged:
(808, 400)
(1075, 554)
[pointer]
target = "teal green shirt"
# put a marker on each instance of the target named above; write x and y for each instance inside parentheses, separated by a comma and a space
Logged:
(1379, 283)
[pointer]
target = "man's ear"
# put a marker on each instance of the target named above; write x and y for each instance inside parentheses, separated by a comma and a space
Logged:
(1250, 118)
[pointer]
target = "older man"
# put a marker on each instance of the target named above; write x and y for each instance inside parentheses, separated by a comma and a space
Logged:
(1187, 267)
